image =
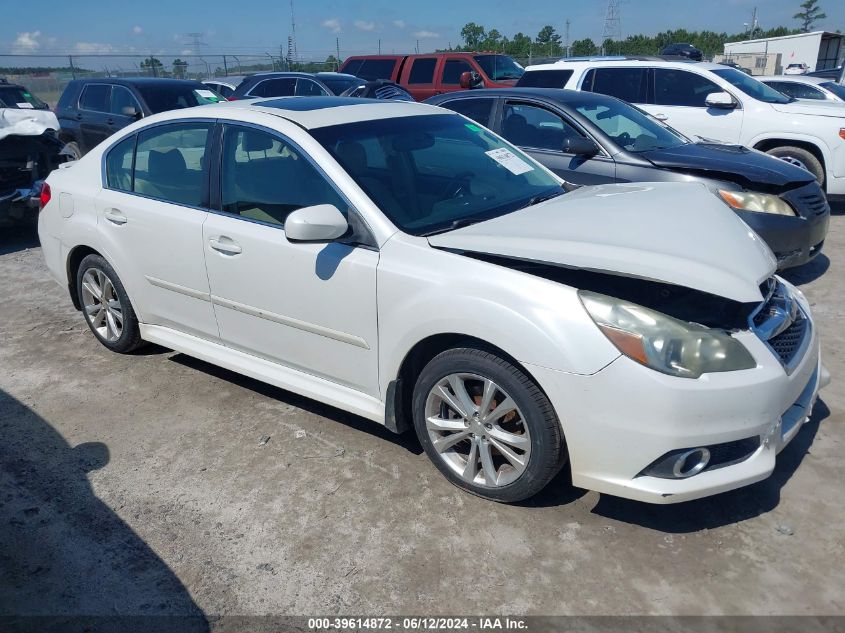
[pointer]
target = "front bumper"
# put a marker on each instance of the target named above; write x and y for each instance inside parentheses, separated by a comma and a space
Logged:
(623, 418)
(794, 240)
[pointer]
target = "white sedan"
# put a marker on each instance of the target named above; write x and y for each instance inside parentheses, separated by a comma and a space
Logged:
(400, 262)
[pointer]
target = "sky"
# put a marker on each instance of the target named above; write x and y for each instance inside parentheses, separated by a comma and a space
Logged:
(260, 27)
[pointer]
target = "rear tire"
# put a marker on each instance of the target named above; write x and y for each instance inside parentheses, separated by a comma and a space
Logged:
(106, 306)
(800, 158)
(486, 425)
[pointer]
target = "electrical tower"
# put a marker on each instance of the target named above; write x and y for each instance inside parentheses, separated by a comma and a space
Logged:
(612, 22)
(292, 39)
(195, 42)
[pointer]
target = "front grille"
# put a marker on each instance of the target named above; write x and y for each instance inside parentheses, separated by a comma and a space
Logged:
(808, 200)
(731, 453)
(787, 343)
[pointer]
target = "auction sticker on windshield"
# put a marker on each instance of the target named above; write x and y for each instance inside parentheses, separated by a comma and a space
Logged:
(509, 161)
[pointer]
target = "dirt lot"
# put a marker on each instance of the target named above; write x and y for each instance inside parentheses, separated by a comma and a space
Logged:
(138, 485)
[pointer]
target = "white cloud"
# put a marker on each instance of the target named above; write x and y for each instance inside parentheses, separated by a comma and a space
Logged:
(333, 25)
(92, 47)
(365, 26)
(187, 51)
(137, 30)
(426, 35)
(399, 24)
(27, 42)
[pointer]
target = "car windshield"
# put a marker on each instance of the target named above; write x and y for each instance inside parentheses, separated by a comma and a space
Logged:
(751, 86)
(629, 127)
(835, 88)
(14, 97)
(161, 97)
(433, 173)
(339, 84)
(498, 67)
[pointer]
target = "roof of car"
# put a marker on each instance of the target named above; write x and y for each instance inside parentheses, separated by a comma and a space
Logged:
(310, 112)
(334, 75)
(271, 74)
(586, 62)
(552, 94)
(801, 79)
(138, 80)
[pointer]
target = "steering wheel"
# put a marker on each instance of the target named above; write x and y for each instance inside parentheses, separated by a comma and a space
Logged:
(458, 186)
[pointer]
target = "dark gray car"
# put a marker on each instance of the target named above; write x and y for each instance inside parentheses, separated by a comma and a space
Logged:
(590, 139)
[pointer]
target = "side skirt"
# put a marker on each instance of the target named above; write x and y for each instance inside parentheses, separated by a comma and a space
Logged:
(272, 373)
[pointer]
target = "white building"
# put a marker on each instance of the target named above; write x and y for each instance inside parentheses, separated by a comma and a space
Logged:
(819, 49)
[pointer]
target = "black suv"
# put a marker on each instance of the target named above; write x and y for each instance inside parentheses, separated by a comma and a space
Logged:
(91, 110)
(290, 84)
(683, 50)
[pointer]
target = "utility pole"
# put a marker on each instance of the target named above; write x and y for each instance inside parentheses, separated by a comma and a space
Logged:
(418, 47)
(754, 24)
(566, 40)
(612, 22)
(293, 32)
(379, 46)
(337, 50)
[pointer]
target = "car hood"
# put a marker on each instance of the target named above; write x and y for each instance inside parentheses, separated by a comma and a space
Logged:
(26, 122)
(676, 233)
(733, 163)
(817, 108)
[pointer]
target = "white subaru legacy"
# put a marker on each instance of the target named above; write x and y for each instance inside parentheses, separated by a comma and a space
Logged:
(400, 262)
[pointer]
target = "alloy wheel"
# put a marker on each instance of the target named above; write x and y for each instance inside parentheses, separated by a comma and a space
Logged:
(477, 429)
(101, 305)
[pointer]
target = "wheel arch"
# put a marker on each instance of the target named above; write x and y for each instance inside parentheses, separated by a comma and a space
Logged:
(400, 390)
(770, 143)
(74, 259)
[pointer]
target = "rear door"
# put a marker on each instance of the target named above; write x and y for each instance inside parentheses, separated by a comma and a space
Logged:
(94, 116)
(419, 77)
(150, 216)
(540, 131)
(449, 75)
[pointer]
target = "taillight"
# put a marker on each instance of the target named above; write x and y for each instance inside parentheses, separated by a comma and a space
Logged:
(231, 98)
(44, 198)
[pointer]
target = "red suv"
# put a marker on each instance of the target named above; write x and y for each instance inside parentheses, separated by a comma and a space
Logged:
(427, 75)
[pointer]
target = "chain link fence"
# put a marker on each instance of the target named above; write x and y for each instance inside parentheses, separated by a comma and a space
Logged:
(47, 76)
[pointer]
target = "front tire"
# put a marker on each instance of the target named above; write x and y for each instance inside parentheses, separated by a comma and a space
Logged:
(106, 306)
(486, 425)
(800, 158)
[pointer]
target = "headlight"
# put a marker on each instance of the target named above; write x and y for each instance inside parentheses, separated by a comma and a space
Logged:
(663, 343)
(759, 202)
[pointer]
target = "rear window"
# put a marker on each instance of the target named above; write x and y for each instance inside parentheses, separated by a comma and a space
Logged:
(163, 97)
(19, 98)
(628, 84)
(376, 69)
(544, 79)
(340, 84)
(422, 71)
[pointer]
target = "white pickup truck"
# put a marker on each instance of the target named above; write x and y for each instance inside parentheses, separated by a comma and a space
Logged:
(714, 102)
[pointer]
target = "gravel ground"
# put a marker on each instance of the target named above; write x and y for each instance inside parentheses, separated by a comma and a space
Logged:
(139, 485)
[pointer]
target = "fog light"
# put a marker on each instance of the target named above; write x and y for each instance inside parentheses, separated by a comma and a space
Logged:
(691, 463)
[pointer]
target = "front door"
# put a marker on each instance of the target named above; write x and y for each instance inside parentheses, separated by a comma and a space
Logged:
(311, 307)
(94, 115)
(540, 132)
(150, 224)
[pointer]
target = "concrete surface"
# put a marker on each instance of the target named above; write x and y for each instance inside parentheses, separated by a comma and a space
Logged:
(137, 485)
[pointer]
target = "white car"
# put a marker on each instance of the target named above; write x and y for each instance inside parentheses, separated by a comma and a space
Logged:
(715, 102)
(403, 263)
(796, 69)
(816, 89)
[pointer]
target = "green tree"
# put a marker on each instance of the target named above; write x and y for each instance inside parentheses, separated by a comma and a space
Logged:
(810, 15)
(473, 34)
(153, 66)
(548, 41)
(583, 48)
(180, 68)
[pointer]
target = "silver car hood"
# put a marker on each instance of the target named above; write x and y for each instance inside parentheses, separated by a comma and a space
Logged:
(676, 233)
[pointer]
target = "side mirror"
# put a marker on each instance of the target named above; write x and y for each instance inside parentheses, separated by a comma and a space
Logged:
(720, 100)
(470, 79)
(580, 146)
(130, 111)
(320, 223)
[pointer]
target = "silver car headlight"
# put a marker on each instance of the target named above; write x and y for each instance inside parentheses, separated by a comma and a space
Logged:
(757, 202)
(663, 343)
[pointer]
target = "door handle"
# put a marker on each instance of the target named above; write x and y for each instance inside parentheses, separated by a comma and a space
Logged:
(110, 121)
(114, 216)
(78, 117)
(661, 117)
(225, 245)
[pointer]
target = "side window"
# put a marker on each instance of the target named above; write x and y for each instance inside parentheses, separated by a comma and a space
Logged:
(170, 163)
(422, 71)
(545, 79)
(284, 87)
(119, 165)
(372, 69)
(681, 88)
(122, 98)
(796, 90)
(265, 178)
(453, 69)
(95, 97)
(475, 109)
(532, 126)
(308, 88)
(628, 84)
